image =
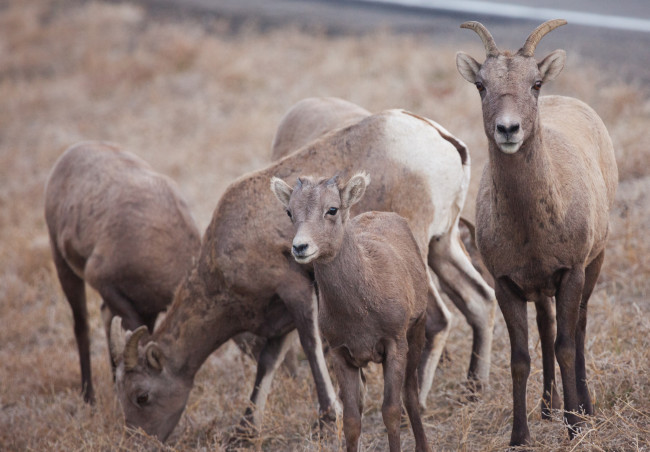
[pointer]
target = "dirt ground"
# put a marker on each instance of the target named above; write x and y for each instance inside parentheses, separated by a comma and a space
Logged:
(200, 102)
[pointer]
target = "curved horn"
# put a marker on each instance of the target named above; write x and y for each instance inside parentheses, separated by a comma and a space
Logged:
(131, 347)
(529, 46)
(118, 338)
(491, 48)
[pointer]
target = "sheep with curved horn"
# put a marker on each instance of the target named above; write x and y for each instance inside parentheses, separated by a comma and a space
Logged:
(542, 214)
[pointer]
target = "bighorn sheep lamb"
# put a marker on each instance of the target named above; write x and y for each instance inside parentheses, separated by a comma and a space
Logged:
(542, 214)
(246, 280)
(373, 289)
(123, 228)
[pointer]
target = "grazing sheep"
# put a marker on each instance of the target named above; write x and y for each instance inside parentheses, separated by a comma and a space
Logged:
(542, 214)
(246, 280)
(372, 289)
(124, 229)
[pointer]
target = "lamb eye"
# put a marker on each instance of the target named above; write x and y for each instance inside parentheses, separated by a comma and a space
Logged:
(289, 213)
(332, 211)
(480, 87)
(537, 86)
(142, 399)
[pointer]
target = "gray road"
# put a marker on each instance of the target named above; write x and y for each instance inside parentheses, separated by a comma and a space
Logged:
(623, 53)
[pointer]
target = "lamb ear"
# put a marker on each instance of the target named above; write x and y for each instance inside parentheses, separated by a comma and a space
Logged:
(281, 190)
(552, 65)
(155, 357)
(354, 189)
(467, 66)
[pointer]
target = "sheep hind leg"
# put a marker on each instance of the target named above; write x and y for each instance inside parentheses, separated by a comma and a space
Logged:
(591, 276)
(75, 292)
(568, 300)
(471, 295)
(437, 327)
(546, 327)
(394, 367)
(415, 338)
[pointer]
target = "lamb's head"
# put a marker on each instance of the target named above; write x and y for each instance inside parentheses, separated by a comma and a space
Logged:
(152, 395)
(319, 210)
(509, 84)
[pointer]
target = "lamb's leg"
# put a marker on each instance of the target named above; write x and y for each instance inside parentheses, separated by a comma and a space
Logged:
(394, 369)
(351, 388)
(301, 301)
(437, 327)
(546, 327)
(75, 292)
(514, 313)
(471, 294)
(268, 362)
(568, 300)
(415, 344)
(591, 275)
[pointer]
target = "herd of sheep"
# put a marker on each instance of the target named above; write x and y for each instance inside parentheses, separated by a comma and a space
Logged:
(349, 252)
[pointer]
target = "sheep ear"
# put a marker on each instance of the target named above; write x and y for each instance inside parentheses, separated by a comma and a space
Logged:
(155, 357)
(467, 66)
(354, 189)
(281, 190)
(552, 65)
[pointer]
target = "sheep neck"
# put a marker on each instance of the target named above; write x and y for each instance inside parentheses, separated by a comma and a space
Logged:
(198, 323)
(524, 185)
(342, 274)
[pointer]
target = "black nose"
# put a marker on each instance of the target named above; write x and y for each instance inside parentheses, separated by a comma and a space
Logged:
(508, 130)
(300, 249)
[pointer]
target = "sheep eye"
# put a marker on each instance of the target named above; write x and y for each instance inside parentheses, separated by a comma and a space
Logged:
(142, 399)
(480, 87)
(537, 86)
(332, 211)
(289, 213)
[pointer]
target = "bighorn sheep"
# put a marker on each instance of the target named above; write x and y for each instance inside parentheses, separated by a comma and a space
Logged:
(542, 214)
(123, 228)
(246, 280)
(373, 289)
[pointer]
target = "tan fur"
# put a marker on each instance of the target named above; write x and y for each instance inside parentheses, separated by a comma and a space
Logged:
(370, 272)
(246, 279)
(309, 119)
(121, 227)
(542, 217)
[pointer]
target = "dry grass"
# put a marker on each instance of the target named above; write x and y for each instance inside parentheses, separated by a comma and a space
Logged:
(202, 107)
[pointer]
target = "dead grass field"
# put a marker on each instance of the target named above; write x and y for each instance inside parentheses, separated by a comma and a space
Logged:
(201, 104)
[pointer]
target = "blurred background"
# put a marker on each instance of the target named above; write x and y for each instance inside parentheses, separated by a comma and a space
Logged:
(197, 89)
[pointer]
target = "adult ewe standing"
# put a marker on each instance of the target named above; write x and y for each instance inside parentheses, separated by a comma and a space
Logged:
(542, 214)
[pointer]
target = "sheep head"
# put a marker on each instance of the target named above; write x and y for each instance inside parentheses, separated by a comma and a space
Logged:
(509, 84)
(319, 210)
(152, 393)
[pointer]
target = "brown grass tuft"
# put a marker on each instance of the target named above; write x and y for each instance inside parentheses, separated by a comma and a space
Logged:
(201, 104)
